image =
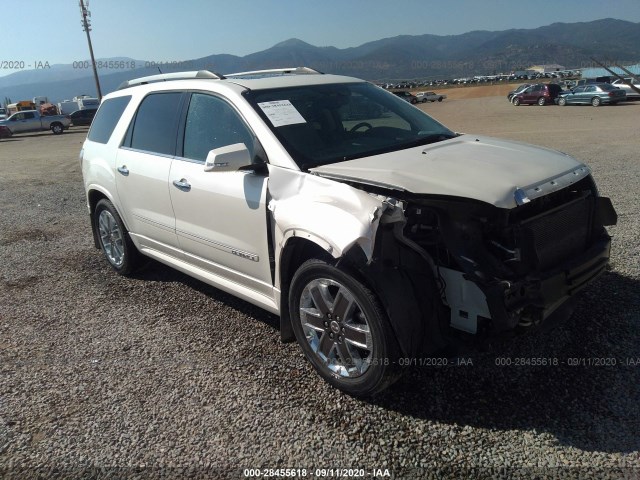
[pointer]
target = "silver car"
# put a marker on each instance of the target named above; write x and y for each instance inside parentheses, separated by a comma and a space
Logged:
(631, 93)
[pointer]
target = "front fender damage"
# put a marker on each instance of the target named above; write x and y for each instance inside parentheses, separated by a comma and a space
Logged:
(333, 215)
(363, 232)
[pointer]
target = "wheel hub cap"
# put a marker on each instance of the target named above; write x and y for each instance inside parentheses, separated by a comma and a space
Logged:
(336, 328)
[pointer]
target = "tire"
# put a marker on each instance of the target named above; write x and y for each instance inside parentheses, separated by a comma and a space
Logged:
(440, 99)
(342, 330)
(56, 128)
(516, 101)
(424, 100)
(114, 240)
(562, 101)
(542, 101)
(596, 101)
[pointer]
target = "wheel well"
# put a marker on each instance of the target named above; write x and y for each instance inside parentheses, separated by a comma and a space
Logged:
(93, 197)
(295, 253)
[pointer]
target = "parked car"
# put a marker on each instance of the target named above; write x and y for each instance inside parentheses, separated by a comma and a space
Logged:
(5, 132)
(425, 97)
(83, 117)
(593, 94)
(588, 81)
(518, 90)
(32, 121)
(3, 113)
(631, 93)
(374, 239)
(408, 96)
(540, 93)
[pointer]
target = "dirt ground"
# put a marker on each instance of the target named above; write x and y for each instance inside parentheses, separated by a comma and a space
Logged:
(457, 93)
(162, 371)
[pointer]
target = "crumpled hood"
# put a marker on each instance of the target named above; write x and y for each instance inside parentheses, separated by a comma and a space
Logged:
(468, 166)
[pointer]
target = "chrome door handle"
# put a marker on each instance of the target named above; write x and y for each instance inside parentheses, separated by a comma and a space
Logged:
(182, 184)
(123, 170)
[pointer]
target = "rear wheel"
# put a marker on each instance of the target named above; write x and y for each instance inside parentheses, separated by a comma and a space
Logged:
(542, 101)
(596, 101)
(57, 128)
(343, 331)
(114, 239)
(439, 99)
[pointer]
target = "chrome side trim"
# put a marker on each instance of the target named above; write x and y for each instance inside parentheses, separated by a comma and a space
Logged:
(220, 246)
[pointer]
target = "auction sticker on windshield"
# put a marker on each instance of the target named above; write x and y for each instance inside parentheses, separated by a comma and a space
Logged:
(281, 112)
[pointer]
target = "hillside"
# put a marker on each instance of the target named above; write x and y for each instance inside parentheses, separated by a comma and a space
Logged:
(402, 57)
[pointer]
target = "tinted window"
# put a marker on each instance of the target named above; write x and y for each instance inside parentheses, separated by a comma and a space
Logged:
(154, 129)
(212, 123)
(28, 115)
(107, 118)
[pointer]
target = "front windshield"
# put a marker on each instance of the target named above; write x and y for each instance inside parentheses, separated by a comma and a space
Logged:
(322, 124)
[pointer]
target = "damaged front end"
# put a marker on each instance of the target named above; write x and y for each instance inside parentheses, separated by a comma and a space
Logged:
(442, 265)
(502, 269)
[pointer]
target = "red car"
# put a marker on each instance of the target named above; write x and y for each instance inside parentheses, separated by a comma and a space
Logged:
(5, 132)
(540, 93)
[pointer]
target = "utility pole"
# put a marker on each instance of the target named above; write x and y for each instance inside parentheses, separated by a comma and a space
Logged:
(86, 26)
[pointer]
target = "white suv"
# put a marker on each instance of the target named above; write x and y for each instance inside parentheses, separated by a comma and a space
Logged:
(373, 231)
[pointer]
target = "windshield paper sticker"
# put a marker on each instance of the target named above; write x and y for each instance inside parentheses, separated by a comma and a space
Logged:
(281, 112)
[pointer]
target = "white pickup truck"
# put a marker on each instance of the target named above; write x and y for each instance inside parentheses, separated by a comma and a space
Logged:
(32, 121)
(425, 97)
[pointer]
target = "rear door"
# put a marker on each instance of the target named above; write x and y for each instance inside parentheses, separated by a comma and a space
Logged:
(221, 217)
(142, 172)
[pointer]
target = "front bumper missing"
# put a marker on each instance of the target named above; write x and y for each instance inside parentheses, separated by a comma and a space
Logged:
(529, 301)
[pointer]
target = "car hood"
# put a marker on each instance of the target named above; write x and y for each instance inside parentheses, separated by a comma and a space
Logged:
(499, 172)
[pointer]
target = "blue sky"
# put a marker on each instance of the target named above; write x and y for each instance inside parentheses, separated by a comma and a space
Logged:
(166, 30)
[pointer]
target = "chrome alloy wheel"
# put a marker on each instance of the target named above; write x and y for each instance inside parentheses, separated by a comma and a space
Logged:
(111, 238)
(336, 328)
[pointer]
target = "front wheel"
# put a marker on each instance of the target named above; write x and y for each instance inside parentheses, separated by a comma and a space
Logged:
(562, 101)
(596, 101)
(516, 101)
(57, 128)
(114, 239)
(342, 330)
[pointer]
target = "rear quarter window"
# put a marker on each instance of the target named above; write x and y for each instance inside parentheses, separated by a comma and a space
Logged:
(107, 118)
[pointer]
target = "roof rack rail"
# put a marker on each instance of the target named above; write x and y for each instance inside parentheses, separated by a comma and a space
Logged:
(274, 71)
(170, 76)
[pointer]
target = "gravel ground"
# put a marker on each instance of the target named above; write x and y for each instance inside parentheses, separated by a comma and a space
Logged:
(163, 376)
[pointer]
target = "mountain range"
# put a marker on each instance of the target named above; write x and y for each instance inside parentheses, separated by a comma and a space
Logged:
(397, 58)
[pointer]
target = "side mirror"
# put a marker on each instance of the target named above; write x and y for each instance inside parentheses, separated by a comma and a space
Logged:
(228, 159)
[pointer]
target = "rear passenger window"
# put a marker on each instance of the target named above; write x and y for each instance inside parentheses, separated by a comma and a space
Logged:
(107, 118)
(212, 123)
(154, 129)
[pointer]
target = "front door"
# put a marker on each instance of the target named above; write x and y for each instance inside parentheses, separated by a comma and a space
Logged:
(221, 217)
